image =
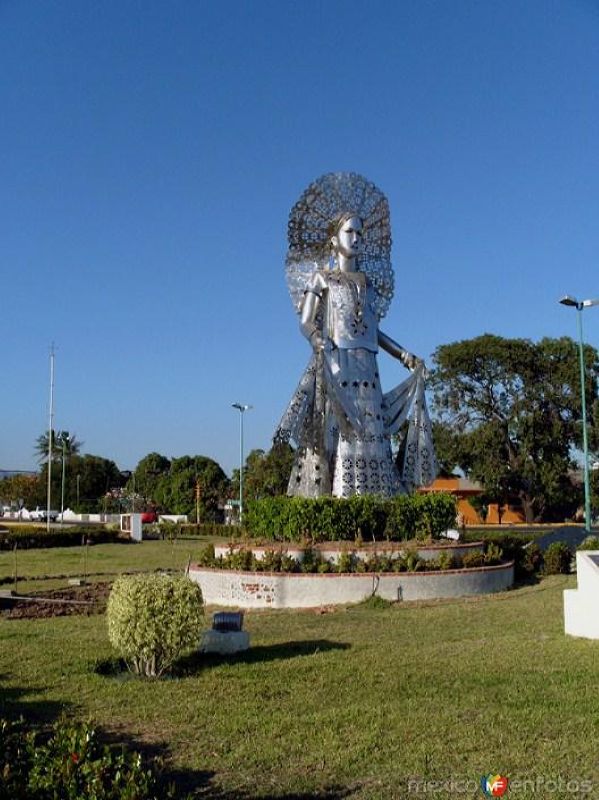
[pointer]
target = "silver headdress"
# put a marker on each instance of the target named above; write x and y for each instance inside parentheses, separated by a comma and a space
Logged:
(311, 225)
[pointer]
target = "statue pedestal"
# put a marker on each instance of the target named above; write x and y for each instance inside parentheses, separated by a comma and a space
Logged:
(580, 605)
(224, 642)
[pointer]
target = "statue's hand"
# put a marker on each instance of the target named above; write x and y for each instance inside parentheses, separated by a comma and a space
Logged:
(411, 361)
(317, 344)
(317, 341)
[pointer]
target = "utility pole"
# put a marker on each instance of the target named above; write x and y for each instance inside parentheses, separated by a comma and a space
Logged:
(198, 495)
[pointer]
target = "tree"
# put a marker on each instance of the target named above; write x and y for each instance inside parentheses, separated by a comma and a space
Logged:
(62, 442)
(87, 478)
(24, 490)
(147, 475)
(265, 474)
(171, 485)
(508, 414)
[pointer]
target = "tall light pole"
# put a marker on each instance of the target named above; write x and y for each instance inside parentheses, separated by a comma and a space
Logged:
(242, 408)
(568, 300)
(50, 439)
(65, 440)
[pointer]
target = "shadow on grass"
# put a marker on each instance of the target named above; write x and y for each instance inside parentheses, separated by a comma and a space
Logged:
(14, 703)
(328, 793)
(194, 784)
(41, 714)
(196, 662)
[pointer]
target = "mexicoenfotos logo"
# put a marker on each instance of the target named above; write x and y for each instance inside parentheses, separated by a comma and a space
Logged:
(494, 785)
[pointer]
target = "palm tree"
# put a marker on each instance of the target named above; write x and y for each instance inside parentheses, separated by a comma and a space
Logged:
(62, 442)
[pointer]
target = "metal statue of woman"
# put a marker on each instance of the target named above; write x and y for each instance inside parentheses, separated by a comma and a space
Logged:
(341, 283)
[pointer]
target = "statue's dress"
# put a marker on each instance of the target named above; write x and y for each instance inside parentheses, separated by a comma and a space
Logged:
(339, 417)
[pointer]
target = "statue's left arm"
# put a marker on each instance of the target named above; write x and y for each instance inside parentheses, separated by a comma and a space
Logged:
(394, 349)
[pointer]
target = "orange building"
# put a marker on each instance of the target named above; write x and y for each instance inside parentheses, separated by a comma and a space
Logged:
(464, 489)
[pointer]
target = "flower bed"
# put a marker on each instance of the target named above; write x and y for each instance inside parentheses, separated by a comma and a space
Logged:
(294, 576)
(244, 589)
(333, 552)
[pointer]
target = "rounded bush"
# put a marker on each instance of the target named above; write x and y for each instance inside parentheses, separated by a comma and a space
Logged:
(152, 619)
(590, 543)
(557, 559)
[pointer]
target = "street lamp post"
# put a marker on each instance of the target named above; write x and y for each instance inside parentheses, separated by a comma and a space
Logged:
(241, 407)
(568, 300)
(64, 445)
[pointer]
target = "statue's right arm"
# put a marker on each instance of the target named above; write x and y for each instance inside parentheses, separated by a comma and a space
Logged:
(310, 306)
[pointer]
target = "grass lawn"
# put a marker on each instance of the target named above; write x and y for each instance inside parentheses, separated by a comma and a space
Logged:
(42, 568)
(355, 702)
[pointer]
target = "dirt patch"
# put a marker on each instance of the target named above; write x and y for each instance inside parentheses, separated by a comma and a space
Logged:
(90, 599)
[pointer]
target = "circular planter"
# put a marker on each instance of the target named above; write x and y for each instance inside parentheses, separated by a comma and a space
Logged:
(292, 590)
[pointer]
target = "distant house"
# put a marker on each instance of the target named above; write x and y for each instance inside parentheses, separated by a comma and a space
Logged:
(464, 489)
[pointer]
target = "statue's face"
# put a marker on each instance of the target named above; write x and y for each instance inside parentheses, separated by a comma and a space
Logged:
(348, 241)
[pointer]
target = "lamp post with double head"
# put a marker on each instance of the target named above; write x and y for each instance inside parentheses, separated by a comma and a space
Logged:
(242, 408)
(568, 300)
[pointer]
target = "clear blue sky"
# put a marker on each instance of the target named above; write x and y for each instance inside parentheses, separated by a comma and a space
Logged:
(150, 153)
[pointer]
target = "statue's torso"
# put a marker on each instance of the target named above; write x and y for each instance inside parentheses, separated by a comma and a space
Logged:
(349, 316)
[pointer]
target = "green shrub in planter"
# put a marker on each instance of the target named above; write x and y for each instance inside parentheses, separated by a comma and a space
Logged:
(474, 559)
(357, 518)
(206, 557)
(346, 562)
(530, 560)
(447, 561)
(557, 559)
(493, 554)
(152, 619)
(590, 543)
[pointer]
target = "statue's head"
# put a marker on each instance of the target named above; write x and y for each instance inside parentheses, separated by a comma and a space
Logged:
(347, 235)
(317, 235)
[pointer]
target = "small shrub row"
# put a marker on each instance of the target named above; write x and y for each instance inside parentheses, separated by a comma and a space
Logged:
(529, 559)
(29, 537)
(72, 764)
(313, 561)
(175, 530)
(366, 517)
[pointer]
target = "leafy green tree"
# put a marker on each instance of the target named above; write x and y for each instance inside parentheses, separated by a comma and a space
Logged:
(147, 475)
(22, 490)
(265, 474)
(508, 414)
(170, 485)
(87, 478)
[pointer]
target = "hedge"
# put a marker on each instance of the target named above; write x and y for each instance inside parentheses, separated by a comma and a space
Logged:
(29, 537)
(366, 517)
(170, 530)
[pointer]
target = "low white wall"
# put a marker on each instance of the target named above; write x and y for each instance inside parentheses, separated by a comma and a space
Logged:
(582, 604)
(292, 590)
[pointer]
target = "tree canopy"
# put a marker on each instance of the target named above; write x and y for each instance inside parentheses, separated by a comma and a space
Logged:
(170, 485)
(509, 415)
(265, 474)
